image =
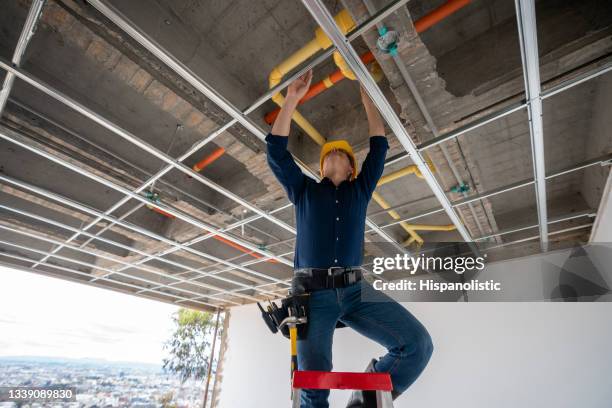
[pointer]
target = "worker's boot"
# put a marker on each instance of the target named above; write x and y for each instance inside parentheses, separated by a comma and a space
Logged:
(364, 399)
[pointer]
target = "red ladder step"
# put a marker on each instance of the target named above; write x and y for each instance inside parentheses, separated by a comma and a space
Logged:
(325, 380)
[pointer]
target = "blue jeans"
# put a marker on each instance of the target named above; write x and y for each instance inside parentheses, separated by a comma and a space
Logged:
(385, 321)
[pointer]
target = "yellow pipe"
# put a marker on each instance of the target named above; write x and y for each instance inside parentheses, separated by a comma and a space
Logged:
(428, 228)
(343, 66)
(293, 61)
(429, 164)
(412, 169)
(320, 41)
(302, 122)
(449, 227)
(385, 205)
(410, 228)
(408, 241)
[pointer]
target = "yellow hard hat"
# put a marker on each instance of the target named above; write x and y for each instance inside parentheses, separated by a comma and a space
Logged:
(338, 145)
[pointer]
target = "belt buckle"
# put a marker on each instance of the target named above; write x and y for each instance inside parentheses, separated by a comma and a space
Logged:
(330, 270)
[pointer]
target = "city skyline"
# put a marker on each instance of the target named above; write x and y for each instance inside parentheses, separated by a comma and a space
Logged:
(101, 384)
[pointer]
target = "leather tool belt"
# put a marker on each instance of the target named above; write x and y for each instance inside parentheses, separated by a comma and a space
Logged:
(306, 280)
(310, 279)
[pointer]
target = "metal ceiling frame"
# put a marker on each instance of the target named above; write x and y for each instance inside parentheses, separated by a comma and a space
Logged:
(144, 231)
(172, 164)
(500, 190)
(536, 237)
(532, 238)
(526, 18)
(78, 262)
(76, 272)
(139, 230)
(528, 41)
(508, 110)
(135, 265)
(209, 92)
(176, 164)
(552, 220)
(515, 107)
(26, 35)
(156, 285)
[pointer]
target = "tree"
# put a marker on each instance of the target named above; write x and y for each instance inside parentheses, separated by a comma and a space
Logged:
(190, 344)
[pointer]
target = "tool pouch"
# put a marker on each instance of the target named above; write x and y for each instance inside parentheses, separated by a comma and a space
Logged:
(300, 285)
(293, 305)
(297, 305)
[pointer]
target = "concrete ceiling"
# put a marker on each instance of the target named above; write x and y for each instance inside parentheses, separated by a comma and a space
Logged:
(465, 67)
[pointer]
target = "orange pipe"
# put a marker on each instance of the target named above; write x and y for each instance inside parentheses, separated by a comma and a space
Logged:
(208, 159)
(420, 25)
(162, 212)
(439, 14)
(319, 87)
(241, 248)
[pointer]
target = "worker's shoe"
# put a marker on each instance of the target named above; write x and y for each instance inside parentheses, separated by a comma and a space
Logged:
(363, 399)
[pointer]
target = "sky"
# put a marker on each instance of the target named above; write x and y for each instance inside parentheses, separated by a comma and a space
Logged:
(43, 316)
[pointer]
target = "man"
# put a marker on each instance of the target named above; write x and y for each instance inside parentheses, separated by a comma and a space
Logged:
(330, 219)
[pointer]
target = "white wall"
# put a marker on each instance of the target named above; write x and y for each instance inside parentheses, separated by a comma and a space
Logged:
(486, 355)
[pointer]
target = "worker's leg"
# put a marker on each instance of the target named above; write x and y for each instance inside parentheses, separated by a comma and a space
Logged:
(315, 352)
(391, 325)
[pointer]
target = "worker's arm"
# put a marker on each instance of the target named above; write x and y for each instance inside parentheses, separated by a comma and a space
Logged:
(376, 126)
(279, 159)
(295, 91)
(374, 163)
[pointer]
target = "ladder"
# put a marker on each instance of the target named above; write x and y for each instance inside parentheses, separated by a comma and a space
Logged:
(324, 380)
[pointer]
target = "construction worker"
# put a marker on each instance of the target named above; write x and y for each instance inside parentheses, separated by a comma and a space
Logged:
(330, 219)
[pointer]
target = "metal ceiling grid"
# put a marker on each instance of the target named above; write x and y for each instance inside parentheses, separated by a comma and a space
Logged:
(527, 23)
(239, 117)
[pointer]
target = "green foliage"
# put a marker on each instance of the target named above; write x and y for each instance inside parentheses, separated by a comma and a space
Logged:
(190, 344)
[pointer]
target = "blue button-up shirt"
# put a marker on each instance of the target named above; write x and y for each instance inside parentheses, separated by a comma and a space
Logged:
(330, 220)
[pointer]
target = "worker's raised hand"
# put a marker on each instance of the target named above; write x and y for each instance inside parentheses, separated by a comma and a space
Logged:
(375, 122)
(298, 88)
(365, 98)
